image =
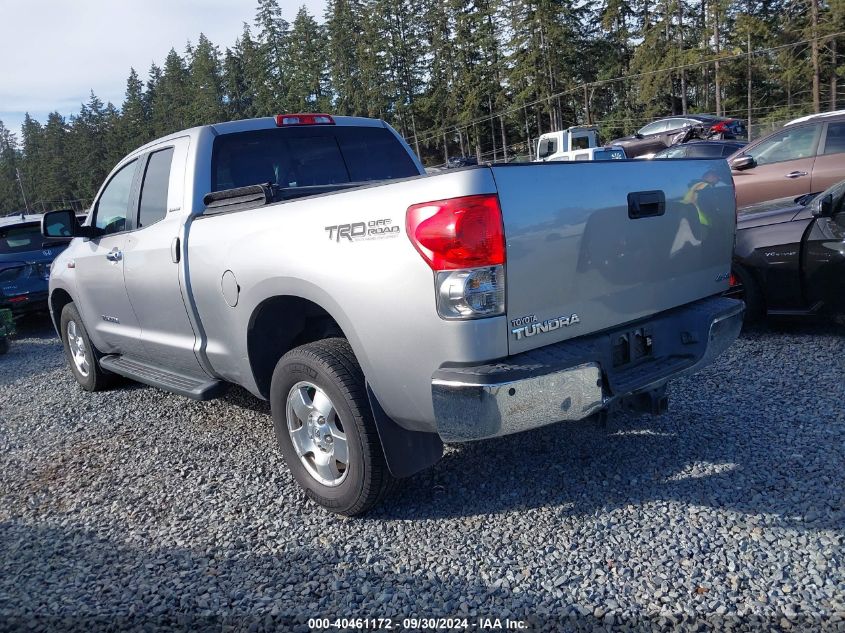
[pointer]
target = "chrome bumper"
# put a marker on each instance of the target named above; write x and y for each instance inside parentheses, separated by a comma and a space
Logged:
(521, 392)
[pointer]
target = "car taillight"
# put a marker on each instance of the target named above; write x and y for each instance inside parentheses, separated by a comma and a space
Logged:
(721, 126)
(458, 232)
(463, 241)
(283, 120)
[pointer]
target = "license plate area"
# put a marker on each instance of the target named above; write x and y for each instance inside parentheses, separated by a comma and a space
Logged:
(632, 346)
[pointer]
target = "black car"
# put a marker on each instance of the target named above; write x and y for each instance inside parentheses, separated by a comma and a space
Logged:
(789, 257)
(702, 149)
(663, 133)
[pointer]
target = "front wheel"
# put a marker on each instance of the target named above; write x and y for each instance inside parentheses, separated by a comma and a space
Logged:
(325, 427)
(81, 354)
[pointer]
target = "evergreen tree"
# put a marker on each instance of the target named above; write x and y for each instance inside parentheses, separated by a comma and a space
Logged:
(88, 140)
(31, 163)
(134, 124)
(55, 184)
(205, 85)
(273, 46)
(307, 72)
(342, 18)
(10, 193)
(170, 103)
(242, 76)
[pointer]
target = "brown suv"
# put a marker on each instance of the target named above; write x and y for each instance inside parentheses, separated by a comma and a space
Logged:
(807, 155)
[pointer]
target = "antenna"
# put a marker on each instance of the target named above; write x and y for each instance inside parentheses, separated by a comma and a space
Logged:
(20, 184)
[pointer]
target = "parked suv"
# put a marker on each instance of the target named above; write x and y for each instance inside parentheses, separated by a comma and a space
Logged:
(807, 155)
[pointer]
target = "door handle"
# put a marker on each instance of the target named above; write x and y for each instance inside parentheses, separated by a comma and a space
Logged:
(646, 204)
(795, 174)
(174, 250)
(114, 255)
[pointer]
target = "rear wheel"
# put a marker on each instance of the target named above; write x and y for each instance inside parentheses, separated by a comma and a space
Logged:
(745, 288)
(325, 428)
(81, 354)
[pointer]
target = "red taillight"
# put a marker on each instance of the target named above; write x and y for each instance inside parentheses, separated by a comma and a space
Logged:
(283, 120)
(458, 233)
(18, 299)
(721, 126)
(733, 281)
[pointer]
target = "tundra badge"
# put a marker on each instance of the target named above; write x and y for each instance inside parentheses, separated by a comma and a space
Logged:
(528, 326)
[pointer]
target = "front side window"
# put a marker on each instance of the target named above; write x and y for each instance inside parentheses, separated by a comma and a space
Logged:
(153, 205)
(789, 144)
(113, 205)
(581, 142)
(653, 128)
(835, 139)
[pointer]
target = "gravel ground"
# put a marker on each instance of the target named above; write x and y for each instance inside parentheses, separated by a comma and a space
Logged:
(136, 509)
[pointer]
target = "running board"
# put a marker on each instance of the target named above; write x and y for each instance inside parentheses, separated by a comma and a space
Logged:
(814, 310)
(195, 387)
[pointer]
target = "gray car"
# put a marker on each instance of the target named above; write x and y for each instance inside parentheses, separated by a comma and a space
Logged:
(383, 311)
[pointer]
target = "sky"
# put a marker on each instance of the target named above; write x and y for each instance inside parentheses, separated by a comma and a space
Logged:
(53, 53)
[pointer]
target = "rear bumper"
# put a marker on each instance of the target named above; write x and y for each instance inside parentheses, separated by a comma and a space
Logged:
(574, 379)
(25, 304)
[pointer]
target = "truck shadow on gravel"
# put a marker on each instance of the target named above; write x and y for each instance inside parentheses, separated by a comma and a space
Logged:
(74, 579)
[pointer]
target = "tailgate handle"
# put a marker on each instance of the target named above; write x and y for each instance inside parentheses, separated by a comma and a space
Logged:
(646, 204)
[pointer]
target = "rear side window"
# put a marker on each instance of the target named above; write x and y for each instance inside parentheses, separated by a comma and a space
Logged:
(835, 140)
(308, 156)
(20, 238)
(153, 205)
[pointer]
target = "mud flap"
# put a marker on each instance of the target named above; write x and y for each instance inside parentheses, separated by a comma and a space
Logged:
(406, 452)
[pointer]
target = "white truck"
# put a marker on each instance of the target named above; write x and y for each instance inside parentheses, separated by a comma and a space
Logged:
(580, 142)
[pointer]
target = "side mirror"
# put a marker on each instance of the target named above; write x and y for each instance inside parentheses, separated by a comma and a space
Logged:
(638, 135)
(824, 209)
(63, 225)
(741, 163)
(544, 148)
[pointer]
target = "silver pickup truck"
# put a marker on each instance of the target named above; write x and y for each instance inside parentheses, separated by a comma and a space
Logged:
(382, 312)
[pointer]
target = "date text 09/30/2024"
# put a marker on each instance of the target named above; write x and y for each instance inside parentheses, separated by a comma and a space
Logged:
(418, 624)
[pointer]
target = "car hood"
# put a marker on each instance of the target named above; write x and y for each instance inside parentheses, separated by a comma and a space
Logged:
(621, 140)
(769, 212)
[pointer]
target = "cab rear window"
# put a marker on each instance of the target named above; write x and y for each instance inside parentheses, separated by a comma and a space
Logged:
(20, 238)
(308, 156)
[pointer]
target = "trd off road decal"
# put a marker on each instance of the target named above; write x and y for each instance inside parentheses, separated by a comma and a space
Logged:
(358, 231)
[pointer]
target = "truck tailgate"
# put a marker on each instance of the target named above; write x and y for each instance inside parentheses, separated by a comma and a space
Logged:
(594, 245)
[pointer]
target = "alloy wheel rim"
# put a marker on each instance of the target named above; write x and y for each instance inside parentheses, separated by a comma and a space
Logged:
(317, 434)
(78, 351)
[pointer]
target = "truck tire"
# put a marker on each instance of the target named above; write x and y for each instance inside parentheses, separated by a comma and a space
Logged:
(325, 429)
(81, 355)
